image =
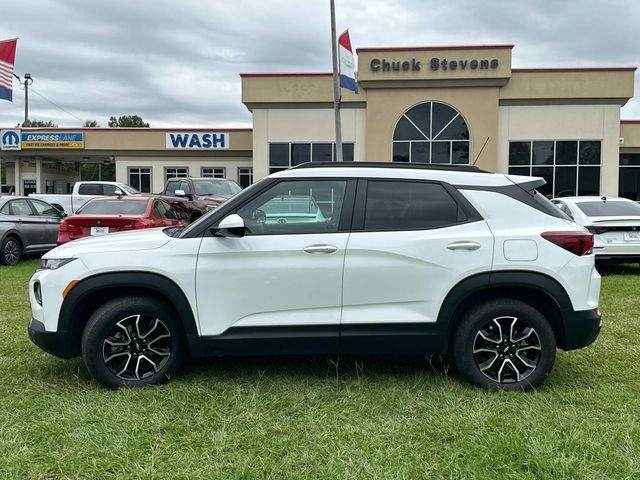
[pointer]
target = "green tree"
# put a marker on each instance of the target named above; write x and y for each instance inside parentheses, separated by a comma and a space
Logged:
(40, 123)
(90, 123)
(128, 121)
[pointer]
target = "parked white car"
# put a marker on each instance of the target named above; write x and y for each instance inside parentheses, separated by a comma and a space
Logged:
(83, 192)
(614, 222)
(393, 258)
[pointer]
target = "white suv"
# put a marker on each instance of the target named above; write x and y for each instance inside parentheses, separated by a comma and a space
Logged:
(364, 258)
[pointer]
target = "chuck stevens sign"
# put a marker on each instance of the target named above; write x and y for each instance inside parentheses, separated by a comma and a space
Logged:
(433, 64)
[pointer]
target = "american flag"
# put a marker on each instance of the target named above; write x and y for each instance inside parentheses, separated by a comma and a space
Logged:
(7, 59)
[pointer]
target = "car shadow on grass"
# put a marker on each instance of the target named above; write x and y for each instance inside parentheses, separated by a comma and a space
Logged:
(316, 367)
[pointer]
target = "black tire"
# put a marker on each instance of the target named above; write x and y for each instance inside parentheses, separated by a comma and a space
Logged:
(10, 250)
(505, 365)
(152, 356)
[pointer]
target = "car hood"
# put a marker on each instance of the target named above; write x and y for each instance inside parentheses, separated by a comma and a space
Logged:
(215, 199)
(148, 239)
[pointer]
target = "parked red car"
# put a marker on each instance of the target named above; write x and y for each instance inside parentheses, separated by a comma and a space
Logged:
(117, 214)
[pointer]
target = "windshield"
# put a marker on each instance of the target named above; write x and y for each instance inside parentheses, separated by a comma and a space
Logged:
(114, 207)
(217, 188)
(129, 189)
(609, 208)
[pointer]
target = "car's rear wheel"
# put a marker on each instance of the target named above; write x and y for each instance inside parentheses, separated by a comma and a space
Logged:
(132, 342)
(504, 344)
(10, 250)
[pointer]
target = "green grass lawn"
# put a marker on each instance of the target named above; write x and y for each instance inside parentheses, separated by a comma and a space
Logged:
(313, 418)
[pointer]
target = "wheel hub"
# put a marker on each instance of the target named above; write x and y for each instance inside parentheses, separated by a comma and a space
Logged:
(137, 347)
(507, 350)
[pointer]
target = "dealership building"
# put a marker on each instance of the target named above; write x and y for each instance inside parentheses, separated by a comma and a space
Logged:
(441, 105)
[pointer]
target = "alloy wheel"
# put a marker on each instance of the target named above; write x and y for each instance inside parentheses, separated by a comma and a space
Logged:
(507, 350)
(137, 347)
(11, 252)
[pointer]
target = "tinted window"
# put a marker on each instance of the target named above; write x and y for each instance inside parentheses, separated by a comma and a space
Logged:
(5, 209)
(295, 207)
(90, 189)
(609, 209)
(185, 186)
(21, 208)
(44, 209)
(215, 187)
(111, 190)
(409, 205)
(172, 187)
(114, 207)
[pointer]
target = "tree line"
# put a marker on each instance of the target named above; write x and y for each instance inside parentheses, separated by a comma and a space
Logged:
(123, 121)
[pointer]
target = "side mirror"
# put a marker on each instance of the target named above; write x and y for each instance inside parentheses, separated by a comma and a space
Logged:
(231, 226)
(180, 193)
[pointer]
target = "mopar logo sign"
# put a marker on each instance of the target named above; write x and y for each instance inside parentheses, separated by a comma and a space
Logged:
(197, 140)
(10, 140)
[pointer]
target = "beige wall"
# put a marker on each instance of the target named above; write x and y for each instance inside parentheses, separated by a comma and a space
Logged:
(576, 85)
(303, 125)
(630, 133)
(119, 139)
(478, 106)
(194, 164)
(565, 122)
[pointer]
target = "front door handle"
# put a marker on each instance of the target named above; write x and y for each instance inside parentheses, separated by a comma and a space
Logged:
(321, 249)
(464, 245)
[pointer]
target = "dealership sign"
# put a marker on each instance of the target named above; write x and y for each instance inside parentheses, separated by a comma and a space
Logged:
(10, 139)
(197, 140)
(434, 64)
(52, 140)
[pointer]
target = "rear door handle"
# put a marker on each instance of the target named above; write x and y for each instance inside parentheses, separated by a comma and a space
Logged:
(321, 249)
(464, 245)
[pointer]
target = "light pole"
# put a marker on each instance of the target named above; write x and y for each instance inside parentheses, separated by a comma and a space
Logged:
(27, 81)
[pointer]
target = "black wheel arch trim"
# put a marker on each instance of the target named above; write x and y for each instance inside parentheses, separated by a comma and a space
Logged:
(157, 283)
(485, 282)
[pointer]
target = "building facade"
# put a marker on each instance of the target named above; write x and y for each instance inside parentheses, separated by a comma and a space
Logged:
(451, 105)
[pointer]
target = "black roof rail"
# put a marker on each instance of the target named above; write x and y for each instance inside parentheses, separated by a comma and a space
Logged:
(417, 166)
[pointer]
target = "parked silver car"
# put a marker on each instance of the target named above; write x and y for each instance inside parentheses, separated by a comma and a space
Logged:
(614, 222)
(26, 226)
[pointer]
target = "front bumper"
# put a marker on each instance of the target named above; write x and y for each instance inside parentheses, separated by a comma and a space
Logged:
(580, 328)
(55, 343)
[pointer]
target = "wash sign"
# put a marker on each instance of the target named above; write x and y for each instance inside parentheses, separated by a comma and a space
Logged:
(10, 140)
(197, 140)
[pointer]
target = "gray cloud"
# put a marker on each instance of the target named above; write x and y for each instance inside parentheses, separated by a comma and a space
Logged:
(177, 63)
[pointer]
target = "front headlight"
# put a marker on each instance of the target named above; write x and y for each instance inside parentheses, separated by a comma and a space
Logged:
(54, 263)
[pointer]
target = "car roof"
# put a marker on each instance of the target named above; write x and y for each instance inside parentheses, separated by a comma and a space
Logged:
(124, 198)
(462, 175)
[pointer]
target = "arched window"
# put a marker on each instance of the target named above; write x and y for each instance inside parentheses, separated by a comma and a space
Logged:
(431, 132)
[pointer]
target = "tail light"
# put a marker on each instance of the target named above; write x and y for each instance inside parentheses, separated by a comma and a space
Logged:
(66, 227)
(597, 230)
(578, 243)
(138, 225)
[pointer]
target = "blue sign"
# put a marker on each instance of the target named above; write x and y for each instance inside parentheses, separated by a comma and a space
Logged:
(10, 140)
(52, 140)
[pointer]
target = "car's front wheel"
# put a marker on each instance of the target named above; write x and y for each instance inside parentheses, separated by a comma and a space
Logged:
(132, 342)
(504, 344)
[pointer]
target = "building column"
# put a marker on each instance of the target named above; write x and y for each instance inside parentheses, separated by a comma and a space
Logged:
(16, 177)
(39, 176)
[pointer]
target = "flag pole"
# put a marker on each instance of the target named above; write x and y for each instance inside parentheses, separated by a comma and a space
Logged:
(336, 83)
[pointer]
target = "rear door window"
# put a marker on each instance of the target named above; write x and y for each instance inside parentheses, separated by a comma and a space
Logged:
(400, 205)
(90, 189)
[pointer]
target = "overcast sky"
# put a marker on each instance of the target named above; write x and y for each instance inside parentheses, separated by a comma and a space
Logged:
(177, 63)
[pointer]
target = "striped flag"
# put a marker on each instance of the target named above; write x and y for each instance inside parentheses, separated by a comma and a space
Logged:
(7, 59)
(347, 63)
